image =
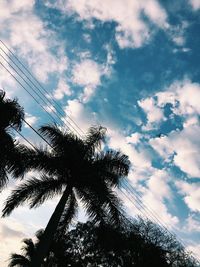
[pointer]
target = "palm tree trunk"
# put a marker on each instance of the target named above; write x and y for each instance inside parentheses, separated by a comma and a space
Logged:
(44, 244)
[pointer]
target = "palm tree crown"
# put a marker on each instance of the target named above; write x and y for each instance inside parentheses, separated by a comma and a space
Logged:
(11, 117)
(74, 168)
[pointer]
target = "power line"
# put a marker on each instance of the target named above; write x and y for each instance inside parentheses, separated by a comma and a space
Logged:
(25, 89)
(35, 91)
(40, 85)
(138, 198)
(18, 132)
(37, 133)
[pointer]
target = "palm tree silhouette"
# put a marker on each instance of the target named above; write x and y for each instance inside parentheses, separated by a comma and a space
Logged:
(73, 168)
(11, 117)
(28, 250)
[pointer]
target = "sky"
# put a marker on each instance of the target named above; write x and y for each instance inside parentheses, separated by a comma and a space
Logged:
(131, 66)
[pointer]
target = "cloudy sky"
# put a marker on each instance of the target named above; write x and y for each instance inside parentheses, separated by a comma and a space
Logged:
(132, 66)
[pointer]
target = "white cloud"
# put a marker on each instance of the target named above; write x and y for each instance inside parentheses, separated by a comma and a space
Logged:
(139, 158)
(154, 113)
(134, 138)
(183, 95)
(151, 198)
(181, 146)
(191, 193)
(25, 33)
(154, 195)
(192, 224)
(195, 248)
(62, 90)
(50, 108)
(131, 29)
(83, 117)
(195, 4)
(88, 73)
(185, 147)
(30, 119)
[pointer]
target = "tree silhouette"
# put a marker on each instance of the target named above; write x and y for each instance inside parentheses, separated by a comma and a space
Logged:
(140, 244)
(73, 168)
(11, 117)
(28, 252)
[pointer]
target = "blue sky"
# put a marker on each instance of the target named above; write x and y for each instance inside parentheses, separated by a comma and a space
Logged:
(132, 66)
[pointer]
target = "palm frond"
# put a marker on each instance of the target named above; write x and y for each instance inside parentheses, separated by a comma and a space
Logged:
(18, 260)
(3, 178)
(28, 248)
(13, 113)
(108, 200)
(34, 191)
(111, 165)
(17, 160)
(69, 212)
(94, 138)
(42, 160)
(91, 204)
(49, 187)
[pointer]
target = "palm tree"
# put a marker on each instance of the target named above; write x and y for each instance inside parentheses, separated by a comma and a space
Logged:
(27, 255)
(28, 250)
(73, 168)
(12, 115)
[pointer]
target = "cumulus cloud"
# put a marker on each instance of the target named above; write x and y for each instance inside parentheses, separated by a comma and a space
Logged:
(150, 202)
(83, 116)
(30, 119)
(191, 193)
(153, 112)
(25, 32)
(195, 248)
(131, 29)
(62, 90)
(183, 95)
(192, 224)
(195, 4)
(139, 158)
(88, 73)
(181, 146)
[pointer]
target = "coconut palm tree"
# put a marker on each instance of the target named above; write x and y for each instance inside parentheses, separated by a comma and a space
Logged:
(25, 258)
(11, 117)
(28, 250)
(73, 168)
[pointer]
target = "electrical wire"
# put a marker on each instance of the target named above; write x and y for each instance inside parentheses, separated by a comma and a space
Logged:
(39, 87)
(127, 187)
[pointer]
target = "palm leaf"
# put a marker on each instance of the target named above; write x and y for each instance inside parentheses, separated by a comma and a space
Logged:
(107, 199)
(18, 260)
(111, 165)
(69, 213)
(13, 113)
(94, 138)
(42, 160)
(61, 141)
(28, 248)
(35, 191)
(92, 205)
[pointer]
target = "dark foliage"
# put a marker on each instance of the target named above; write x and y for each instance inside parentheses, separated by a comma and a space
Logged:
(11, 117)
(141, 244)
(73, 168)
